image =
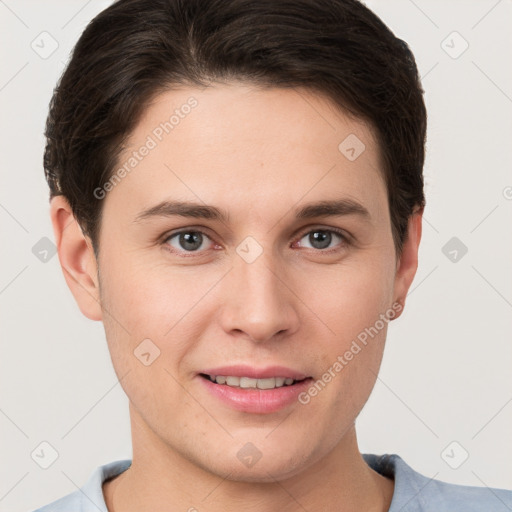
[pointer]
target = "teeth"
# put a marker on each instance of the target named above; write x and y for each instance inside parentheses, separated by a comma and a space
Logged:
(246, 382)
(233, 381)
(250, 383)
(267, 383)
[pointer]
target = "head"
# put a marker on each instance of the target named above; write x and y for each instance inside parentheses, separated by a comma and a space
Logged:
(298, 130)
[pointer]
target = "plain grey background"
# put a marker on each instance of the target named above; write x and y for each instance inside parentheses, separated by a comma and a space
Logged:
(443, 397)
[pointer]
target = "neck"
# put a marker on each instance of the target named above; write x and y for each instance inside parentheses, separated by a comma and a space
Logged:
(160, 478)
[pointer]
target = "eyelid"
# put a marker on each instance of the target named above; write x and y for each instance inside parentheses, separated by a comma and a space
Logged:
(309, 229)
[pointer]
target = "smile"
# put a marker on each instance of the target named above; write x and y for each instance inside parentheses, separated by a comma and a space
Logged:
(254, 390)
(251, 383)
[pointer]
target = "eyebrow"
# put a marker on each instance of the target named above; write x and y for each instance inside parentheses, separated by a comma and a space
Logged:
(183, 209)
(332, 208)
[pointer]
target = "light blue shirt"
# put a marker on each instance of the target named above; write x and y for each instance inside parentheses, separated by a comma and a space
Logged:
(413, 492)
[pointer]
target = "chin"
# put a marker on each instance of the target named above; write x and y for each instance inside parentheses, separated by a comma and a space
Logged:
(261, 473)
(253, 466)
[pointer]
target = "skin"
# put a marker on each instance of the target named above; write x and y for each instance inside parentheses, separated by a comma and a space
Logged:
(258, 154)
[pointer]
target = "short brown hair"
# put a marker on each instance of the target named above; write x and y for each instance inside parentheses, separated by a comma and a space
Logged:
(136, 49)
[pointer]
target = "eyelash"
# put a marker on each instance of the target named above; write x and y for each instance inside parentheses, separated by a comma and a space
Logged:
(345, 241)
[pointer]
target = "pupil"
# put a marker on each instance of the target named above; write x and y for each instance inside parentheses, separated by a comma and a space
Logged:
(191, 241)
(323, 238)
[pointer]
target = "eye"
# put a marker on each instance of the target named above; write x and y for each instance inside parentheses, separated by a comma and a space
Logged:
(188, 241)
(194, 241)
(322, 239)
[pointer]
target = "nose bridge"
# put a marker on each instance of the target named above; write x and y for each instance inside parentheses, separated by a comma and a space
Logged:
(258, 302)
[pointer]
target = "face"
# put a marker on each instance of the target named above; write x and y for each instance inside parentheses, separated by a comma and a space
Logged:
(245, 243)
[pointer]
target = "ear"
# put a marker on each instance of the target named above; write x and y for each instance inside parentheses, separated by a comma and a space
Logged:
(77, 259)
(407, 264)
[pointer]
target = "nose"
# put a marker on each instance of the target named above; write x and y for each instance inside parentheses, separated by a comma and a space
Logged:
(259, 303)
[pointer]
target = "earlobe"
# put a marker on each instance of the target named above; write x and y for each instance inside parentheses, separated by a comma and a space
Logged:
(77, 259)
(408, 261)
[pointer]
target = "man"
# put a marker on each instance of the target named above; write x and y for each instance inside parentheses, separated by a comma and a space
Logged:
(237, 194)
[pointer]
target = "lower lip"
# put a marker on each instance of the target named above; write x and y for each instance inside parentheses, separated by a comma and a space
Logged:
(258, 401)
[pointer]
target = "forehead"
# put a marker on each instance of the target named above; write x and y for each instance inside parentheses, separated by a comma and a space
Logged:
(236, 142)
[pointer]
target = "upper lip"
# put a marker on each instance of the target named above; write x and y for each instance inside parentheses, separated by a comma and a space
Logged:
(255, 373)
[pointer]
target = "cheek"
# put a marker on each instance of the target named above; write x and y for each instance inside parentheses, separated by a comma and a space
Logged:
(151, 299)
(348, 298)
(154, 302)
(145, 320)
(352, 306)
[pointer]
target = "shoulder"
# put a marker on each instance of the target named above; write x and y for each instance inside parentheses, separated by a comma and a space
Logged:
(443, 496)
(70, 503)
(415, 492)
(89, 498)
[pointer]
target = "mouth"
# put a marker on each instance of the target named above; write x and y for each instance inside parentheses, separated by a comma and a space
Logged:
(251, 390)
(252, 383)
